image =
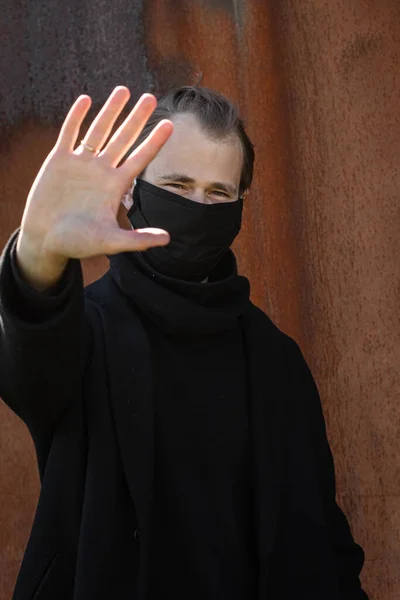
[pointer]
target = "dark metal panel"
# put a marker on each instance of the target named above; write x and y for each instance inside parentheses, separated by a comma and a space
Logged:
(53, 51)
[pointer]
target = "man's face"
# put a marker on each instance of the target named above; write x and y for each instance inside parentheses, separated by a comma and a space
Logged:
(194, 166)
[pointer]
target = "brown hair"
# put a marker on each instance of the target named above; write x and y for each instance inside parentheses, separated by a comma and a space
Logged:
(217, 115)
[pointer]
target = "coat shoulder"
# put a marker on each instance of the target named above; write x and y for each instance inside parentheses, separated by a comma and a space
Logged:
(104, 298)
(264, 328)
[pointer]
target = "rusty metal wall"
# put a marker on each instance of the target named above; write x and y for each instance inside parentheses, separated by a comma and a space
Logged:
(319, 86)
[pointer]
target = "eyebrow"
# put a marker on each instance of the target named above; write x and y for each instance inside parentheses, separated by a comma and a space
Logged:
(226, 187)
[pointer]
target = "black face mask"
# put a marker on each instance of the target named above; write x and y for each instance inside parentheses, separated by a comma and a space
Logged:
(201, 234)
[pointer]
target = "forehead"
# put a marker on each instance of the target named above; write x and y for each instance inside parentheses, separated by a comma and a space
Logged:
(190, 151)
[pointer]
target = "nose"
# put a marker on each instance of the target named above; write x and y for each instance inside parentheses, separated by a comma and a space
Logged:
(199, 195)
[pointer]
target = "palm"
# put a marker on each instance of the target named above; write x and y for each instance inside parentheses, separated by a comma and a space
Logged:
(73, 203)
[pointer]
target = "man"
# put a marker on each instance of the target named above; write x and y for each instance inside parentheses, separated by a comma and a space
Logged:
(179, 434)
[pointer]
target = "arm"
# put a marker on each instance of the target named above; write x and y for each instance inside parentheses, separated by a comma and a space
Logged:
(70, 214)
(43, 342)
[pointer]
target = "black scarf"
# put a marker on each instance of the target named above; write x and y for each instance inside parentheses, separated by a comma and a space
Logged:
(183, 307)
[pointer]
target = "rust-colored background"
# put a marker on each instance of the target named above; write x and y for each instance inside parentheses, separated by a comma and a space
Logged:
(318, 82)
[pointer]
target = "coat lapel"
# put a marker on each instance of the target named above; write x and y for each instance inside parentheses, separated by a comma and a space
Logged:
(267, 401)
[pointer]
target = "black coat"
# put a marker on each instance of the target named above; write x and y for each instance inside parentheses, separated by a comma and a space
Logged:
(73, 368)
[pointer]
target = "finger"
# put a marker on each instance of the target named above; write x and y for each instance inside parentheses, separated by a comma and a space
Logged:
(72, 123)
(102, 125)
(121, 240)
(138, 160)
(127, 133)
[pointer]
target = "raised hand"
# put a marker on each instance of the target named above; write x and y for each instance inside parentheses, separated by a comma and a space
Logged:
(72, 207)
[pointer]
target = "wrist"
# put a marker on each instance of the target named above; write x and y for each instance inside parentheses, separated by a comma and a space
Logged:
(41, 269)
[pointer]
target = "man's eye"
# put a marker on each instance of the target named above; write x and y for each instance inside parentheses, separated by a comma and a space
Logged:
(176, 185)
(218, 193)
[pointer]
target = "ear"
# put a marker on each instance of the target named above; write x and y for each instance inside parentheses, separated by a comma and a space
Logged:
(126, 199)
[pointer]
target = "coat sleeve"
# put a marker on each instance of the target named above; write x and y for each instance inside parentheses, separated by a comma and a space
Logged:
(43, 343)
(348, 555)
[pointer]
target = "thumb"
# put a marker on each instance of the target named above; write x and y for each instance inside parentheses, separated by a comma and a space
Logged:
(138, 239)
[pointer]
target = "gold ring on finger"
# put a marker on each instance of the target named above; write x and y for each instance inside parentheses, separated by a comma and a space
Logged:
(88, 147)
